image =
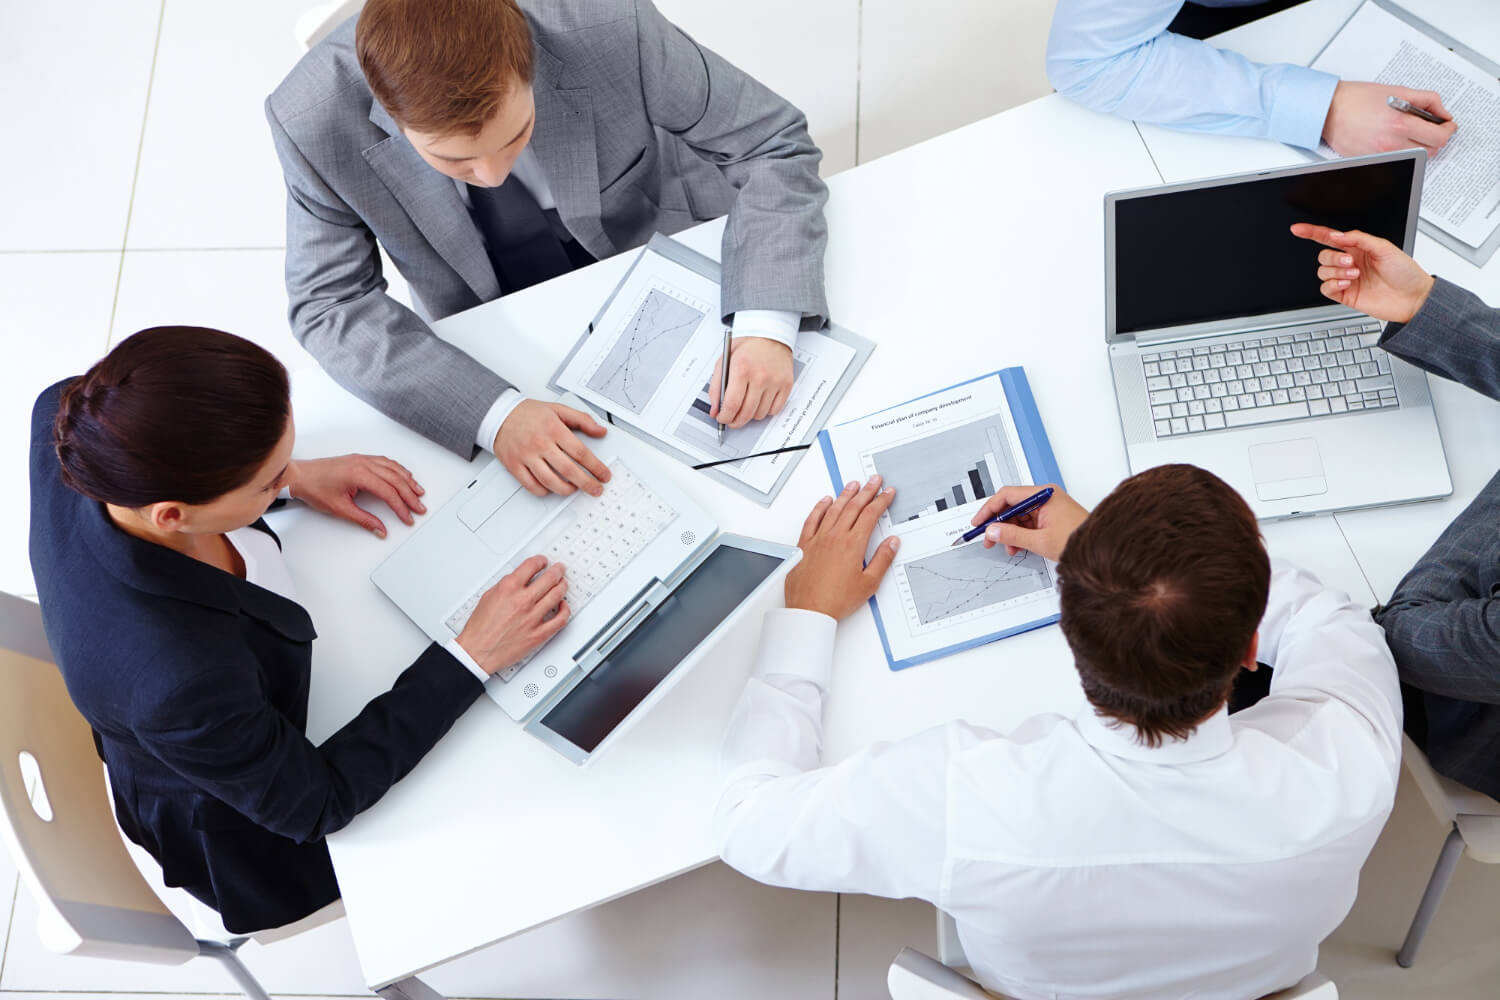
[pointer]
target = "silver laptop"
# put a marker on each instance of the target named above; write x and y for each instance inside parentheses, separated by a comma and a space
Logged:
(651, 581)
(1225, 355)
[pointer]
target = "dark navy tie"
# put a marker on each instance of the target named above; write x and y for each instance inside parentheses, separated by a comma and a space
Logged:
(521, 243)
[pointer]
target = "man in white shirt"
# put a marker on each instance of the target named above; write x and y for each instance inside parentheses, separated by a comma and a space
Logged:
(1150, 847)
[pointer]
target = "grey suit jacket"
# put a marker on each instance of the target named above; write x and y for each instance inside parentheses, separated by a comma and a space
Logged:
(638, 129)
(1443, 621)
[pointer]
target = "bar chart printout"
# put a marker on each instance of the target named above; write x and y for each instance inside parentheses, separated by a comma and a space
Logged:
(947, 469)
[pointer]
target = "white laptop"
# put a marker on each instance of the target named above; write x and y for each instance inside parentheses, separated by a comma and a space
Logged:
(650, 582)
(1225, 355)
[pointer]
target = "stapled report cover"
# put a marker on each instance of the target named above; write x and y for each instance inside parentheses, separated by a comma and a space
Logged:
(946, 453)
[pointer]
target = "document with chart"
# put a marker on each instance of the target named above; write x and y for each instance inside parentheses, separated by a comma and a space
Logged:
(1385, 43)
(648, 358)
(946, 453)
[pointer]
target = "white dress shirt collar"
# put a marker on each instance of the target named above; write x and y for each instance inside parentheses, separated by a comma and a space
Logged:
(1211, 738)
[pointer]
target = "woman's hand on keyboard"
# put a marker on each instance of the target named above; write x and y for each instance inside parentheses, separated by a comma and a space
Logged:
(517, 615)
(832, 577)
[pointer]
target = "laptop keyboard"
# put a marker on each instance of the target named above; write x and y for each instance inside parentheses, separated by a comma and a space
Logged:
(1260, 380)
(593, 537)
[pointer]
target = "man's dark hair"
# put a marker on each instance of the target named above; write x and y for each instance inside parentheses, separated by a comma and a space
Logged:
(172, 413)
(1162, 590)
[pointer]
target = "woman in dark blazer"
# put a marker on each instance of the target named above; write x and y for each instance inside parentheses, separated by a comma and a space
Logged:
(175, 626)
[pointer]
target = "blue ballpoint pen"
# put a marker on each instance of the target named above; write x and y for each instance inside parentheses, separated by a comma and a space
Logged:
(1021, 509)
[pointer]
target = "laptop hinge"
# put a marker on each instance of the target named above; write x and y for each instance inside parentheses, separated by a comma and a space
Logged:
(1177, 336)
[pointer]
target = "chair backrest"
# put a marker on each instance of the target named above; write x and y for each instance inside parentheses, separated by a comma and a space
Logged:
(1447, 798)
(93, 900)
(319, 22)
(915, 976)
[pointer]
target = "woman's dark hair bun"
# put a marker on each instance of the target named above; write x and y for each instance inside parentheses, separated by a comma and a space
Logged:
(180, 413)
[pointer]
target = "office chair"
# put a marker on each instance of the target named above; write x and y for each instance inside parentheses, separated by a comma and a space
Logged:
(94, 901)
(1474, 825)
(915, 976)
(315, 25)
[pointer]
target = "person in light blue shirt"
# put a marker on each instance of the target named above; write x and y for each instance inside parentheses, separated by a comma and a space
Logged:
(1117, 56)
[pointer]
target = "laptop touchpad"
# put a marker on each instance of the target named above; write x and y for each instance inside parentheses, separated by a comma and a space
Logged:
(1286, 469)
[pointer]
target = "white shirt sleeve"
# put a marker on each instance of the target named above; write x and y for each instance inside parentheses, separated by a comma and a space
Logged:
(489, 427)
(1324, 647)
(462, 656)
(772, 324)
(872, 824)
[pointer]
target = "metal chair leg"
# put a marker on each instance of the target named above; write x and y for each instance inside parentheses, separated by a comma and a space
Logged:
(226, 956)
(1442, 872)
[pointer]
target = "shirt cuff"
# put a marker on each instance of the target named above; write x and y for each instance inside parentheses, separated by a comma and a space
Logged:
(489, 427)
(1303, 97)
(462, 656)
(797, 643)
(772, 324)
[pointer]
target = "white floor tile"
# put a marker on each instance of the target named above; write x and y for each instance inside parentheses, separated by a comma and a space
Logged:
(76, 77)
(55, 324)
(815, 66)
(209, 176)
(928, 68)
(709, 933)
(872, 931)
(240, 291)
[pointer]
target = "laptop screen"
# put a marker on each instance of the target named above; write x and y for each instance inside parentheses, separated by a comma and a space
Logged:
(1219, 252)
(619, 683)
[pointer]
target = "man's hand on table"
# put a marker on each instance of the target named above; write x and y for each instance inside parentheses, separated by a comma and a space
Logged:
(1360, 121)
(1044, 531)
(537, 445)
(760, 380)
(516, 615)
(331, 484)
(832, 577)
(1368, 273)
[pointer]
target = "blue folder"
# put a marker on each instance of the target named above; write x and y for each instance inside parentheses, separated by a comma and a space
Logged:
(1043, 467)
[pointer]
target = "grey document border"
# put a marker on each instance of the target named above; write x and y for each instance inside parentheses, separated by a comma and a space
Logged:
(708, 267)
(1480, 255)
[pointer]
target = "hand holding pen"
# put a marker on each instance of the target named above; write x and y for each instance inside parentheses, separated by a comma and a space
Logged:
(1043, 529)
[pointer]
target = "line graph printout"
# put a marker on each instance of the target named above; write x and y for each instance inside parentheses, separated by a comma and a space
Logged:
(946, 453)
(953, 584)
(641, 359)
(649, 358)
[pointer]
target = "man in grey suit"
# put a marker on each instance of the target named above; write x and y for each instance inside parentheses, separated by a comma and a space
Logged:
(489, 144)
(1443, 621)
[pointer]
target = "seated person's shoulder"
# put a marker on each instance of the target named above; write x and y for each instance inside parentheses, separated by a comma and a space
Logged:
(549, 18)
(325, 85)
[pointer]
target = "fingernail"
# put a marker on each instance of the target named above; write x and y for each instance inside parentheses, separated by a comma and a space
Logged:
(889, 490)
(1347, 259)
(992, 533)
(873, 480)
(421, 492)
(1336, 235)
(895, 543)
(850, 487)
(380, 532)
(826, 500)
